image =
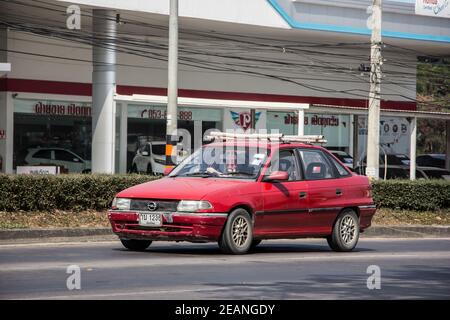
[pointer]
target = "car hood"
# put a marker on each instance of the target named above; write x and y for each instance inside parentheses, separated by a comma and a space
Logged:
(179, 188)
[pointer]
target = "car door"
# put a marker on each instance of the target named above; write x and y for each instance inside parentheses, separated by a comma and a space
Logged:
(327, 190)
(285, 205)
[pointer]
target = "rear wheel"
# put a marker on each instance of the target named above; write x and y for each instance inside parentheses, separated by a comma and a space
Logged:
(237, 234)
(136, 245)
(345, 233)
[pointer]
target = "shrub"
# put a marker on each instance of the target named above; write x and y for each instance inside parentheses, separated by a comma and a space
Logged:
(95, 192)
(63, 192)
(412, 195)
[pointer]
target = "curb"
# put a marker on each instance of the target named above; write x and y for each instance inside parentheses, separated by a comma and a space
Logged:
(53, 233)
(414, 231)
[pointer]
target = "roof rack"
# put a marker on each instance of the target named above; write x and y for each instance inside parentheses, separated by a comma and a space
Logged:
(224, 136)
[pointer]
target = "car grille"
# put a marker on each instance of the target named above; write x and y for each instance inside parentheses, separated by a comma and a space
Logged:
(162, 205)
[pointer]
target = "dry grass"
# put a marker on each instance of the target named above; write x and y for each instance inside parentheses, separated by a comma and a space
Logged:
(68, 219)
(406, 217)
(55, 219)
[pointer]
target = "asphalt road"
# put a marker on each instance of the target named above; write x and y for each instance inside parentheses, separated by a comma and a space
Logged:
(300, 269)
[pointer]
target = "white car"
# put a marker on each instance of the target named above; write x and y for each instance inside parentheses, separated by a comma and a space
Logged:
(150, 158)
(58, 157)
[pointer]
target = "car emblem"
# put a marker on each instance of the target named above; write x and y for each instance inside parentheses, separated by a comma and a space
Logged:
(152, 206)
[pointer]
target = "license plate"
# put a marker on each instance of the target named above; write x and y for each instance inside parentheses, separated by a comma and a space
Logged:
(150, 219)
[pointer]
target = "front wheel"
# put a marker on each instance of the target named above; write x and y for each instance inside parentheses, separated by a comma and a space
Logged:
(345, 232)
(136, 245)
(237, 234)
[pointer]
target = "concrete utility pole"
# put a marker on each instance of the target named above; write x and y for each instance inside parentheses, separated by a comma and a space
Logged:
(172, 87)
(376, 60)
(103, 89)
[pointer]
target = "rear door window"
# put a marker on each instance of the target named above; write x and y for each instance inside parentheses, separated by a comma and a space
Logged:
(315, 164)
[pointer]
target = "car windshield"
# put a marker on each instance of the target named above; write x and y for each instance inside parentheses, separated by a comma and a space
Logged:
(237, 162)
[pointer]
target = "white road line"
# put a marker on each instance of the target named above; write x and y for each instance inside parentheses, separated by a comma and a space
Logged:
(275, 258)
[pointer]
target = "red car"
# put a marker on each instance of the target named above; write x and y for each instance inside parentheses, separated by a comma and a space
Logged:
(239, 192)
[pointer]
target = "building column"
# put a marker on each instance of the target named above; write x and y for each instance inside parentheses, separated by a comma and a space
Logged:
(447, 149)
(103, 90)
(301, 122)
(123, 138)
(355, 140)
(6, 110)
(412, 149)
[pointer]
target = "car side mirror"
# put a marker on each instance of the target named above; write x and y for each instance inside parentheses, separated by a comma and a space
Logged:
(145, 153)
(277, 176)
(168, 170)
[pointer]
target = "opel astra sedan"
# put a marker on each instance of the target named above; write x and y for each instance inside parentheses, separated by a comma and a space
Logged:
(238, 193)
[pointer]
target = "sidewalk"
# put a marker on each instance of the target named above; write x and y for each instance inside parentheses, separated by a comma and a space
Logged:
(102, 234)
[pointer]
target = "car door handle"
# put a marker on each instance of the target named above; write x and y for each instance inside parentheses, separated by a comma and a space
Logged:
(338, 192)
(302, 195)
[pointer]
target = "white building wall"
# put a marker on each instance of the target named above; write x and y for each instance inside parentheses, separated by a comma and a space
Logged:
(151, 73)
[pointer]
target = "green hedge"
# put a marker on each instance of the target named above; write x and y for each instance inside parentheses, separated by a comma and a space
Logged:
(416, 195)
(84, 192)
(64, 192)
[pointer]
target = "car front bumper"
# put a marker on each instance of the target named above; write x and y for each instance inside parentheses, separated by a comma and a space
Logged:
(176, 226)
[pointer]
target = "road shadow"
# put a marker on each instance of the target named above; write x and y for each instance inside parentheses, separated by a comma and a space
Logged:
(407, 282)
(211, 249)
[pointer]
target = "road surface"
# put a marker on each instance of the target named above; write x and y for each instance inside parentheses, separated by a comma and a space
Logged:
(288, 269)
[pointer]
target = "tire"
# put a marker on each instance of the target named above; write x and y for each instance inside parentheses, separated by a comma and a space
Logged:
(136, 245)
(237, 234)
(345, 234)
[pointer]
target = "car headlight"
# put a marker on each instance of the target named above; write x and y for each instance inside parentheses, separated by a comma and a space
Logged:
(121, 204)
(160, 161)
(193, 206)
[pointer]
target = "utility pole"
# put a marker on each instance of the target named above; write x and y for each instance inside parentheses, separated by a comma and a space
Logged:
(376, 60)
(172, 87)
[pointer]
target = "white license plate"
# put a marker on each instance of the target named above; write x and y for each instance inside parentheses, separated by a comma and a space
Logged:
(150, 219)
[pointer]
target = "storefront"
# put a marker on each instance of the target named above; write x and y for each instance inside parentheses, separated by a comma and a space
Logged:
(65, 128)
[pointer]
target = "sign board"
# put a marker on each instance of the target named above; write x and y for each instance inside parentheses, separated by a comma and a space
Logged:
(395, 135)
(241, 120)
(335, 128)
(53, 108)
(37, 170)
(159, 112)
(433, 8)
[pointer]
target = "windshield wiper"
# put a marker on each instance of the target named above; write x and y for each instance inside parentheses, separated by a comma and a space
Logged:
(237, 173)
(203, 174)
